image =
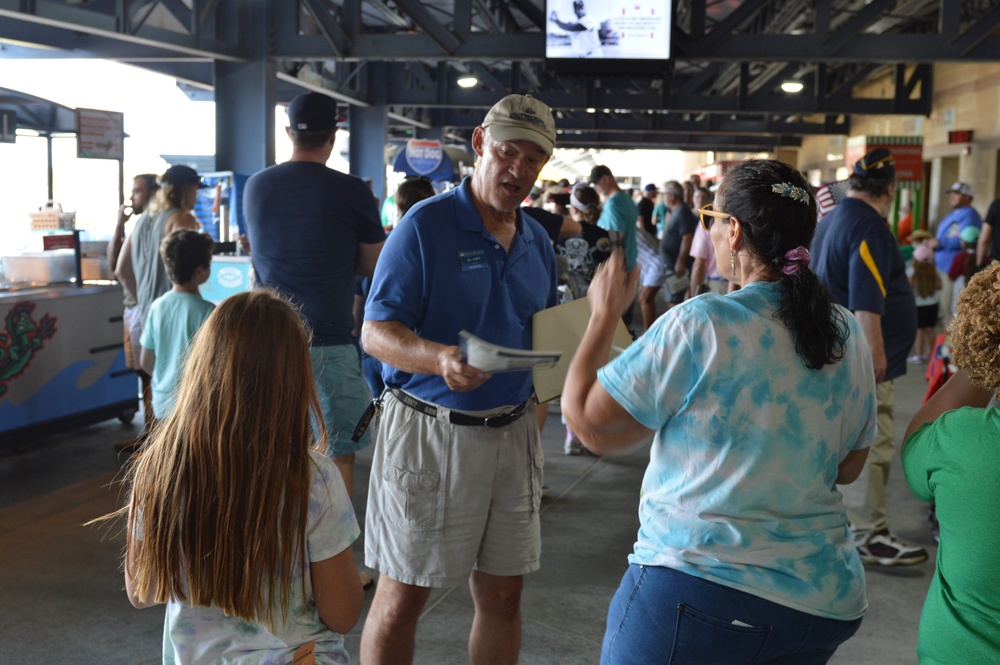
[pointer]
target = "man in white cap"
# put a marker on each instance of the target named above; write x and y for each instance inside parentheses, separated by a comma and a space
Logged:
(456, 475)
(948, 239)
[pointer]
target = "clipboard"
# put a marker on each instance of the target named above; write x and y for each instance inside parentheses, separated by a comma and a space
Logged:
(561, 328)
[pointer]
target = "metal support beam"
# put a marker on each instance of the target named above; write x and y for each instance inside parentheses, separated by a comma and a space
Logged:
(430, 25)
(59, 16)
(532, 11)
(245, 99)
(856, 25)
(978, 31)
(369, 128)
(353, 100)
(329, 27)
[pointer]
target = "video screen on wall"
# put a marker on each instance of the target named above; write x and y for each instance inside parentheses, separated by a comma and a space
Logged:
(635, 30)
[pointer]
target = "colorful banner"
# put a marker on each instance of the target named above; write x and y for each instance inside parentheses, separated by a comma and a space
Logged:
(907, 151)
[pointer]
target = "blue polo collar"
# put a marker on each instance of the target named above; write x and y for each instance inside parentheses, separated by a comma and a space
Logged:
(469, 218)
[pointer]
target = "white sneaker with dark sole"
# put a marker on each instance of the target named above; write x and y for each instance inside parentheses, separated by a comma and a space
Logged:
(883, 549)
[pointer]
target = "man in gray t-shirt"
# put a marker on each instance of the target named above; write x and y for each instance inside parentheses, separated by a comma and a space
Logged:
(678, 233)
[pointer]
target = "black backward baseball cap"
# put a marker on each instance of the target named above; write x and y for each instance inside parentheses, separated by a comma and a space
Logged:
(179, 174)
(313, 112)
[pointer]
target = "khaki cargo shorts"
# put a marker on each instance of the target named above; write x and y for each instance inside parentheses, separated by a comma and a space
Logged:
(445, 499)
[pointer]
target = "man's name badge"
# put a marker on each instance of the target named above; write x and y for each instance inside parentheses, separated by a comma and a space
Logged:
(473, 260)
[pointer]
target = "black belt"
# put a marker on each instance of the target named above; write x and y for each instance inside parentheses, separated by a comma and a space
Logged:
(456, 418)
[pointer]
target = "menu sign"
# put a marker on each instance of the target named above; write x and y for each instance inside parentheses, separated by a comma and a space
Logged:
(100, 134)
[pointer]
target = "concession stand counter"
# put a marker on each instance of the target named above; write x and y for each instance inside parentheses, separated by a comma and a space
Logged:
(62, 358)
(62, 362)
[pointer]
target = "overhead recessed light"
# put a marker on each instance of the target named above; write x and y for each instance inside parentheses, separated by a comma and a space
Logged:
(591, 109)
(467, 82)
(792, 87)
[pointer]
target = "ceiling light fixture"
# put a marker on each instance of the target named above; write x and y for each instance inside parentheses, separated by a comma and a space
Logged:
(792, 87)
(467, 82)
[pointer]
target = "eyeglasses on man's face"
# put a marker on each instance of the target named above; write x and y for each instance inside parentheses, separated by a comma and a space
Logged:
(707, 215)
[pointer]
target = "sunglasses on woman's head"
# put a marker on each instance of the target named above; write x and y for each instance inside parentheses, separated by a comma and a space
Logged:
(707, 215)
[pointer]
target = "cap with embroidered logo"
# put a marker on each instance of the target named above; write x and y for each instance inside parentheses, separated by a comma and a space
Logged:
(313, 112)
(522, 118)
(878, 163)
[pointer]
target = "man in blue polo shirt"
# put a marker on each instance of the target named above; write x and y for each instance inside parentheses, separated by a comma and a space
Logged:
(855, 254)
(456, 476)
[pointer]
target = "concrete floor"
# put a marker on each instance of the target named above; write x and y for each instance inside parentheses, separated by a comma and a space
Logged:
(62, 598)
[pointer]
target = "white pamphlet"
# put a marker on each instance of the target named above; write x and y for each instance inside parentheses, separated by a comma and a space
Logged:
(489, 357)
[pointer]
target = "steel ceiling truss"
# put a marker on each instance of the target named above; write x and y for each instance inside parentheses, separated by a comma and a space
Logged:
(886, 31)
(129, 30)
(729, 56)
(827, 46)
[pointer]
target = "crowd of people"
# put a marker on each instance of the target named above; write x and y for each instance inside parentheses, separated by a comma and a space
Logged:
(765, 385)
(658, 230)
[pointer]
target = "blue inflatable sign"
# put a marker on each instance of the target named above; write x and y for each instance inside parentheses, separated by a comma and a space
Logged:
(424, 156)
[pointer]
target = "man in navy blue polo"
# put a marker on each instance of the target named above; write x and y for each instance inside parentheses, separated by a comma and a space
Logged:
(856, 256)
(456, 476)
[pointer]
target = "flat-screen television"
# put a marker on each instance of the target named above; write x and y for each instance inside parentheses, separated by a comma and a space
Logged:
(607, 36)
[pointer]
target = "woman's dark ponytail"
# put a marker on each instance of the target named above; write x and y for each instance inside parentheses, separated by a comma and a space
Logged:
(817, 325)
(777, 213)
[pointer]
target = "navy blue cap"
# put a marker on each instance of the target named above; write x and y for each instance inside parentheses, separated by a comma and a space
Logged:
(313, 112)
(179, 174)
(878, 163)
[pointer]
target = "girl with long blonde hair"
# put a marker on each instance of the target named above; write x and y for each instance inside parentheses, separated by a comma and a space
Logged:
(232, 497)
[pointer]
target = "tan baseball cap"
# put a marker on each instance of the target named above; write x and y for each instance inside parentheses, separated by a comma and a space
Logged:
(522, 118)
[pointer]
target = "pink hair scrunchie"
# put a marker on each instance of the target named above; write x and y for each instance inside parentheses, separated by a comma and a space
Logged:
(794, 259)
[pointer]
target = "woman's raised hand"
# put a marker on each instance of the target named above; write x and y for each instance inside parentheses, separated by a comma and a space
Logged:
(613, 289)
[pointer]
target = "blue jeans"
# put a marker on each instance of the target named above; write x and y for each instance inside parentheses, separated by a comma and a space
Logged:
(664, 617)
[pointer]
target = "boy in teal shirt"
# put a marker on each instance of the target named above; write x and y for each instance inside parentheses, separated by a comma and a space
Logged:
(176, 316)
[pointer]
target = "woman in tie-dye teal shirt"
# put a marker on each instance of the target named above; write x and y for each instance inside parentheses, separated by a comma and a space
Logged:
(761, 401)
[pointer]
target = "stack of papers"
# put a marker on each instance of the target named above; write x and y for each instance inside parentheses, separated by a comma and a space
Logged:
(489, 357)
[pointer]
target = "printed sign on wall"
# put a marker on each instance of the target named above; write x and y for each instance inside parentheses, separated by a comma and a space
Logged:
(100, 134)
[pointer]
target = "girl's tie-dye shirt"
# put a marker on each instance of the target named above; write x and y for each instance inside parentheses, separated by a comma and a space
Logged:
(205, 635)
(740, 488)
